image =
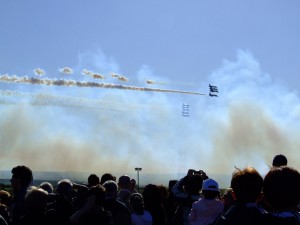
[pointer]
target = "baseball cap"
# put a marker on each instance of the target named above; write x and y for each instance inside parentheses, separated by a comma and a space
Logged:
(210, 185)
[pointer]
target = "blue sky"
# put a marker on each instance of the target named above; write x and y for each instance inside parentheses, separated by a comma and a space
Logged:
(249, 49)
(178, 40)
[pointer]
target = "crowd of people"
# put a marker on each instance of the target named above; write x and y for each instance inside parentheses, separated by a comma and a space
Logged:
(194, 199)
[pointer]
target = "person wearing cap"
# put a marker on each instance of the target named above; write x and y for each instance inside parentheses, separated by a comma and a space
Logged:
(209, 207)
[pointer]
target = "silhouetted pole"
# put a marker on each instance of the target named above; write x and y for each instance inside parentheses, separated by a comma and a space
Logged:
(138, 169)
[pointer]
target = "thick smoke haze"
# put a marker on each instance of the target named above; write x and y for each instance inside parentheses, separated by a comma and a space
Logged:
(84, 129)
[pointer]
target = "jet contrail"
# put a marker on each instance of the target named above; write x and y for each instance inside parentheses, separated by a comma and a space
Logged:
(70, 83)
(154, 82)
(40, 99)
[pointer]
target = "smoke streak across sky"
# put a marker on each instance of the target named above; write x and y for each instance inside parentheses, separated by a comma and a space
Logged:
(58, 128)
(71, 83)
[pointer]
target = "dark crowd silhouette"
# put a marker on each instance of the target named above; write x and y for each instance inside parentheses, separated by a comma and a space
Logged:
(195, 199)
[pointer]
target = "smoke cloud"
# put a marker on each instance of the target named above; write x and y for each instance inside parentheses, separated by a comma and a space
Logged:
(56, 125)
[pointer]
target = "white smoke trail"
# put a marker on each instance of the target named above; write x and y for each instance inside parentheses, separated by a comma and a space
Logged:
(154, 82)
(98, 76)
(39, 72)
(119, 77)
(40, 99)
(66, 70)
(92, 74)
(70, 83)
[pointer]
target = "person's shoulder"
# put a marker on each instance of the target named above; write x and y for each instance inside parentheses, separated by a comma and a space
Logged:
(244, 211)
(121, 205)
(147, 215)
(100, 213)
(198, 201)
(288, 218)
(124, 194)
(3, 221)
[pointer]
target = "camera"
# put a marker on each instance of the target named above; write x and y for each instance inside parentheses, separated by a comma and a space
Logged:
(201, 173)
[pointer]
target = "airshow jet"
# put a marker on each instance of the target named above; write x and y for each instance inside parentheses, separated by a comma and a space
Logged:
(185, 107)
(185, 110)
(212, 95)
(213, 88)
(185, 114)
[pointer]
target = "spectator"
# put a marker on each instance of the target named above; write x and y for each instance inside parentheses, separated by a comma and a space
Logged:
(124, 192)
(171, 202)
(5, 201)
(207, 209)
(246, 187)
(282, 193)
(21, 180)
(92, 213)
(279, 160)
(93, 180)
(139, 216)
(3, 221)
(60, 203)
(133, 186)
(153, 202)
(227, 199)
(47, 187)
(35, 207)
(187, 190)
(106, 177)
(120, 213)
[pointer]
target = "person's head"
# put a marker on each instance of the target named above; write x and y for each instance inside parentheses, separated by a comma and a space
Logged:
(227, 199)
(124, 182)
(133, 184)
(171, 184)
(65, 188)
(97, 193)
(152, 196)
(111, 188)
(193, 184)
(21, 177)
(47, 187)
(5, 197)
(282, 188)
(210, 189)
(247, 185)
(137, 203)
(106, 177)
(36, 199)
(93, 179)
(279, 160)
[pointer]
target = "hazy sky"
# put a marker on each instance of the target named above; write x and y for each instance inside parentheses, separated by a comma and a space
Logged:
(249, 49)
